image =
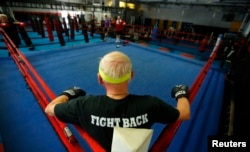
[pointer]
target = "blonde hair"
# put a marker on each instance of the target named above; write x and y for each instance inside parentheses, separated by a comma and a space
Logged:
(115, 67)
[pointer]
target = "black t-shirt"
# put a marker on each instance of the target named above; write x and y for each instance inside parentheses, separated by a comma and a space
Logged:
(99, 114)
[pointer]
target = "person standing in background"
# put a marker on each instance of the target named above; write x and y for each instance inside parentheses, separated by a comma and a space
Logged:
(106, 25)
(92, 25)
(119, 25)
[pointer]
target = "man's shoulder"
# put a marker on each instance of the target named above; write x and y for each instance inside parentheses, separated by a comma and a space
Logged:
(94, 97)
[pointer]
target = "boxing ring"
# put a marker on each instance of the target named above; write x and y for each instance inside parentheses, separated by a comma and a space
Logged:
(33, 79)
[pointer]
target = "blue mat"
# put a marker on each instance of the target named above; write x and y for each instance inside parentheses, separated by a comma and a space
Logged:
(23, 125)
(156, 73)
(193, 134)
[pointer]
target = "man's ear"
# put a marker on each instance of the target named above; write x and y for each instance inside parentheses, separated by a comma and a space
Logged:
(132, 74)
(99, 79)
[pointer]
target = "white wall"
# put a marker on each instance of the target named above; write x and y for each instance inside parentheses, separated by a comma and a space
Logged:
(196, 15)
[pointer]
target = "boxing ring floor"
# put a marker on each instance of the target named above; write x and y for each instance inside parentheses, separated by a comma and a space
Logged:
(24, 126)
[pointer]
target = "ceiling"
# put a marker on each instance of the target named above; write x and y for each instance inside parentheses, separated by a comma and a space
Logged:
(236, 5)
(190, 2)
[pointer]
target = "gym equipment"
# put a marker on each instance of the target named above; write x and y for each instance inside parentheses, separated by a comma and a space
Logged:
(58, 27)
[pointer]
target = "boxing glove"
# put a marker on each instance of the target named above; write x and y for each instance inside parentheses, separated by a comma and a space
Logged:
(180, 91)
(73, 92)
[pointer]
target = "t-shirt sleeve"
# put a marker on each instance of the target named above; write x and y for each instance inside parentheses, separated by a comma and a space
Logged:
(67, 112)
(164, 112)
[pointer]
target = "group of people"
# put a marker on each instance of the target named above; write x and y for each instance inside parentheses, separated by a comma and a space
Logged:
(99, 114)
(107, 23)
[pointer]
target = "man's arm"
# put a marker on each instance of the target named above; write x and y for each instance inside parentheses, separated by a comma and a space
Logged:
(65, 96)
(50, 107)
(181, 94)
(183, 106)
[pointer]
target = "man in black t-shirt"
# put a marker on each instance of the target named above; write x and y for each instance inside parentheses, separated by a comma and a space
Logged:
(98, 114)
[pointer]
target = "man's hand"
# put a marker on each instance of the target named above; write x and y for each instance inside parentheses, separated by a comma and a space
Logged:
(180, 91)
(73, 92)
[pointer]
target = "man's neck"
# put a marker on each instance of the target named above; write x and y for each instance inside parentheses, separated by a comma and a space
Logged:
(117, 95)
(117, 91)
